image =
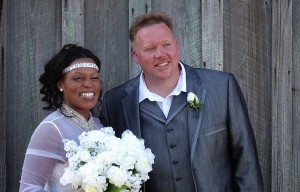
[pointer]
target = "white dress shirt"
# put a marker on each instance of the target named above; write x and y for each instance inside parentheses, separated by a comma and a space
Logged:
(163, 103)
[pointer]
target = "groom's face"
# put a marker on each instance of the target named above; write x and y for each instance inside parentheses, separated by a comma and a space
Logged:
(156, 50)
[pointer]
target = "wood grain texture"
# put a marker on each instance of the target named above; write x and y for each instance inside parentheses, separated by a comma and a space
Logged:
(2, 128)
(73, 22)
(247, 54)
(212, 34)
(32, 35)
(296, 95)
(283, 162)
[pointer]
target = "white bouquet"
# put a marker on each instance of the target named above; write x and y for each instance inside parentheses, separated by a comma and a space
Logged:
(104, 163)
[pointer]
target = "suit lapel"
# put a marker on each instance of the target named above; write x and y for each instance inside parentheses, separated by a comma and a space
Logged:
(152, 109)
(196, 86)
(178, 103)
(130, 107)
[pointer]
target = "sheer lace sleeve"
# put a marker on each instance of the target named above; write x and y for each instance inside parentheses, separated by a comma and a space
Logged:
(45, 150)
(45, 157)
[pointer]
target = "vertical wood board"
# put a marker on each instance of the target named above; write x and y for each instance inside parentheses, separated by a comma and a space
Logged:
(296, 93)
(73, 22)
(2, 128)
(247, 55)
(212, 34)
(282, 116)
(26, 50)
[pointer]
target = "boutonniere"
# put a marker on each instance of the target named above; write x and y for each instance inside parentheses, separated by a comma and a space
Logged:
(193, 102)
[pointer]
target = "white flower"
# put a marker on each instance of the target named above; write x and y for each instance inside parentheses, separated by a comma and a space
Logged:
(193, 102)
(191, 97)
(144, 162)
(101, 160)
(70, 177)
(117, 176)
(128, 163)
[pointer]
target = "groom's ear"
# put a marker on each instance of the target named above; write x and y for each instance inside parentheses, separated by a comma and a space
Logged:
(134, 56)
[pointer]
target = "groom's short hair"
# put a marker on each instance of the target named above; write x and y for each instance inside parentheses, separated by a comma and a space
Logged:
(149, 19)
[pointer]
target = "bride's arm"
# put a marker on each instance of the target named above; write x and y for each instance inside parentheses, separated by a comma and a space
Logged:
(45, 149)
(36, 172)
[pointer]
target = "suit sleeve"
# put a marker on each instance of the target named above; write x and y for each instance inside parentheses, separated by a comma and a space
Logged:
(247, 169)
(103, 115)
(111, 112)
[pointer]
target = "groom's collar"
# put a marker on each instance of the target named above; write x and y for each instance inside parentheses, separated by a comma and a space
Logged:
(192, 76)
(145, 93)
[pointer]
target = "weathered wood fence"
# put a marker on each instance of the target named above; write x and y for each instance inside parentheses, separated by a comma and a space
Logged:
(257, 40)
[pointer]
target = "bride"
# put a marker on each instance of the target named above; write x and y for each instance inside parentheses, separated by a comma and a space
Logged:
(71, 87)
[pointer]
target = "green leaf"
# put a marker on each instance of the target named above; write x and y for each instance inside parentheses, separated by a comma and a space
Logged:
(113, 188)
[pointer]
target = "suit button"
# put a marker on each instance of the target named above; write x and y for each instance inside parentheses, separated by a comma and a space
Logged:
(172, 146)
(169, 130)
(175, 162)
(178, 178)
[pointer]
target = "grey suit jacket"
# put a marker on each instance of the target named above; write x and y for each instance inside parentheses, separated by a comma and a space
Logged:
(223, 149)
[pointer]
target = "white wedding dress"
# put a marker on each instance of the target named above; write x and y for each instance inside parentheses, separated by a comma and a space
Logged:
(45, 158)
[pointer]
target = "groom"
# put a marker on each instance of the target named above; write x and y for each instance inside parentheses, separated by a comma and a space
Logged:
(208, 149)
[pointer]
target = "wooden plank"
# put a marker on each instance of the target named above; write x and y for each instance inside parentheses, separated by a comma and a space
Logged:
(73, 22)
(33, 34)
(247, 54)
(296, 95)
(106, 24)
(136, 8)
(2, 127)
(282, 115)
(212, 34)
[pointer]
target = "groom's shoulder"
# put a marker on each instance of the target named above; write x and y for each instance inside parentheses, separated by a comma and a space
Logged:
(121, 88)
(210, 73)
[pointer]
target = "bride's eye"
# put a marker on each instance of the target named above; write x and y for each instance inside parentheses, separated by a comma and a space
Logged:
(77, 78)
(95, 78)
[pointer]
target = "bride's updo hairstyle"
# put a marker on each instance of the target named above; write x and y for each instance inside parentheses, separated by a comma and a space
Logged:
(54, 72)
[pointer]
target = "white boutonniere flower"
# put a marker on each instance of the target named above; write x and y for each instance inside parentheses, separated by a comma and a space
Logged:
(193, 102)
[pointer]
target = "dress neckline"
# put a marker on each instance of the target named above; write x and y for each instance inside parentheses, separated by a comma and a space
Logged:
(78, 118)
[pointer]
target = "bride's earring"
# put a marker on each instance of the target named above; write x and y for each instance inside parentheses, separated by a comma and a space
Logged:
(61, 89)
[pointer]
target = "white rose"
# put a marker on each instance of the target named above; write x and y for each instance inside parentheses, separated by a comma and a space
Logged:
(117, 176)
(105, 158)
(142, 165)
(128, 163)
(191, 97)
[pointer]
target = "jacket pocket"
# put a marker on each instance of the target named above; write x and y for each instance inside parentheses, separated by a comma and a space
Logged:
(215, 129)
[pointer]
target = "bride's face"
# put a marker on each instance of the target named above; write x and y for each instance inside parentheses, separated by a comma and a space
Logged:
(81, 87)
